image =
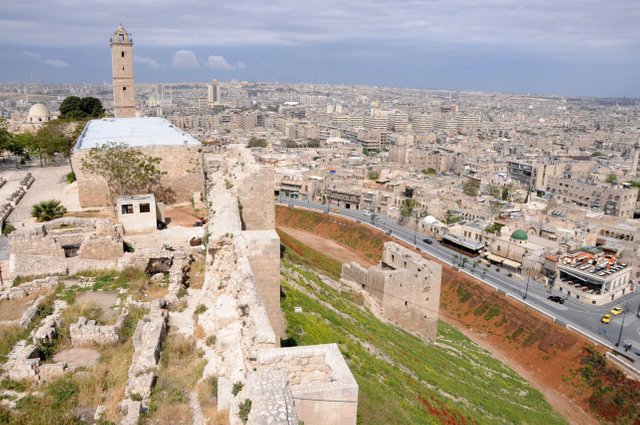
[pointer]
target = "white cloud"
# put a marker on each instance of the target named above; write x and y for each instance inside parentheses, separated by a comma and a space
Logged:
(218, 63)
(57, 63)
(241, 66)
(146, 61)
(184, 59)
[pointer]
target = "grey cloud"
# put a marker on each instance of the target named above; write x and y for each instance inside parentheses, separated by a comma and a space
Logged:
(535, 24)
(57, 63)
(218, 63)
(146, 61)
(184, 59)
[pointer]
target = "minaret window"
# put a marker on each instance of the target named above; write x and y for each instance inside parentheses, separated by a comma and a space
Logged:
(122, 54)
(121, 37)
(124, 89)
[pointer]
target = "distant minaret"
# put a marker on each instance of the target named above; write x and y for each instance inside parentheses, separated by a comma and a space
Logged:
(122, 65)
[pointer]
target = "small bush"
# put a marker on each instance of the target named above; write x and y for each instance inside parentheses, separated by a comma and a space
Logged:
(8, 228)
(211, 340)
(10, 384)
(200, 309)
(71, 177)
(135, 397)
(182, 292)
(244, 410)
(48, 210)
(237, 387)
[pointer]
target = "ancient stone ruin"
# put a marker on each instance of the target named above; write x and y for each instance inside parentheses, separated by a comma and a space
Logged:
(405, 286)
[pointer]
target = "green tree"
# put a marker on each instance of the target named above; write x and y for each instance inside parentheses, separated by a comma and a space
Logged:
(493, 190)
(74, 107)
(48, 210)
(470, 187)
(313, 143)
(612, 178)
(373, 175)
(289, 143)
(407, 207)
(429, 171)
(127, 171)
(71, 103)
(255, 142)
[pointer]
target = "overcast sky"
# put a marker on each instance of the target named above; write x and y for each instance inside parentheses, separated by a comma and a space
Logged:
(566, 47)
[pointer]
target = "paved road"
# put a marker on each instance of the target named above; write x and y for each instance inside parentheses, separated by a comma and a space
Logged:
(584, 318)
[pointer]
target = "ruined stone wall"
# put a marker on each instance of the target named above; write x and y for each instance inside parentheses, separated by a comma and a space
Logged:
(242, 279)
(322, 386)
(263, 250)
(257, 199)
(182, 164)
(34, 242)
(369, 279)
(411, 302)
(101, 248)
(406, 286)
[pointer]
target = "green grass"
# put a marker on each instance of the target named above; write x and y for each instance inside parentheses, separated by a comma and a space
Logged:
(303, 254)
(405, 380)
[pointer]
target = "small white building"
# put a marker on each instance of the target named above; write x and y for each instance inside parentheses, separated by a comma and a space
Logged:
(137, 213)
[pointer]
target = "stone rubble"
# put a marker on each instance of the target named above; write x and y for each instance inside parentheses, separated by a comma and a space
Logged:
(85, 331)
(147, 341)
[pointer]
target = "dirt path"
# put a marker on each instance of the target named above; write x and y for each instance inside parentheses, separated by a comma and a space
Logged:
(327, 247)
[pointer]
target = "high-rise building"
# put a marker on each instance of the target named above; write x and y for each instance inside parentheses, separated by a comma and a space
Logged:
(122, 69)
(213, 93)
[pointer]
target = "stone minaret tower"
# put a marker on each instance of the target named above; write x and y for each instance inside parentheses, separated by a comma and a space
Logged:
(122, 64)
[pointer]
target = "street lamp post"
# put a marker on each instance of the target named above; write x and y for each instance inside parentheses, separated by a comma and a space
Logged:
(624, 314)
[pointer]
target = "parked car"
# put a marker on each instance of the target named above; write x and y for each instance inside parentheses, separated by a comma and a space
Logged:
(606, 318)
(366, 213)
(556, 299)
(335, 209)
(616, 310)
(427, 241)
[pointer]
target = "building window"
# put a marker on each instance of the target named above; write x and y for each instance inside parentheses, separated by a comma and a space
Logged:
(122, 54)
(127, 209)
(145, 208)
(124, 89)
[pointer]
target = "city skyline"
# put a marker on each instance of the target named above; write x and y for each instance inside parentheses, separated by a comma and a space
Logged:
(577, 48)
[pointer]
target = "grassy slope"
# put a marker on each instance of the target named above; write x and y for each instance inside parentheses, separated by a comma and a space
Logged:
(402, 379)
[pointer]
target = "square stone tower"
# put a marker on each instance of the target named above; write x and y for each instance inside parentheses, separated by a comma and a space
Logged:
(122, 66)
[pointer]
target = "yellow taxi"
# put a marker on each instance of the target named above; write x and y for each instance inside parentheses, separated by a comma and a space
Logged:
(606, 318)
(616, 310)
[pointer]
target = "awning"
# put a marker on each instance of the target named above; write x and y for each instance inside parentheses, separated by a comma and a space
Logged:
(511, 263)
(495, 258)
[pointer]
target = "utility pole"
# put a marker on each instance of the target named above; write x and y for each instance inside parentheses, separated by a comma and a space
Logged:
(624, 314)
(526, 289)
(415, 230)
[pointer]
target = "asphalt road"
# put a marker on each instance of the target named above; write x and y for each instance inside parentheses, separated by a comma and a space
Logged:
(581, 317)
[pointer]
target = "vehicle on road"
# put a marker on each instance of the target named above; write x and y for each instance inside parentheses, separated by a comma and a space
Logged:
(606, 318)
(335, 209)
(427, 241)
(616, 310)
(556, 299)
(366, 213)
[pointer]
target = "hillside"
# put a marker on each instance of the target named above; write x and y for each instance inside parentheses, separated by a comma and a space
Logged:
(571, 372)
(402, 380)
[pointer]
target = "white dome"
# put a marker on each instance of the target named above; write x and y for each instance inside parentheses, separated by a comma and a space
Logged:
(39, 111)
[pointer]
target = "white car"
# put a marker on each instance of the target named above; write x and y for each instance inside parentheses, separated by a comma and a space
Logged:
(366, 213)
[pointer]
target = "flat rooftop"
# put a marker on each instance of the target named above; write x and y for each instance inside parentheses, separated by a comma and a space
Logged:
(135, 132)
